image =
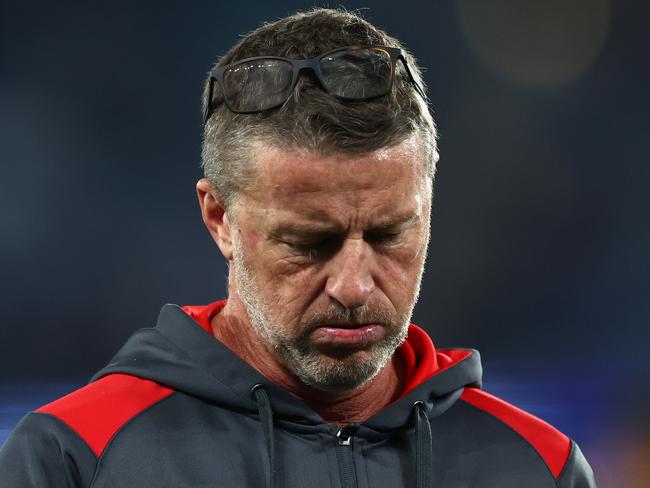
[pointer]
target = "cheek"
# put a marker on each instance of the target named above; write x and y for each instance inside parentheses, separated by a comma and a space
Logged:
(288, 286)
(249, 239)
(399, 272)
(296, 287)
(398, 278)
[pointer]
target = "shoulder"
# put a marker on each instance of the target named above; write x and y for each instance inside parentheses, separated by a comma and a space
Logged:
(97, 411)
(552, 445)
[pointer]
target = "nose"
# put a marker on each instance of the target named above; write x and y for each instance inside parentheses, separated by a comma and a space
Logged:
(350, 280)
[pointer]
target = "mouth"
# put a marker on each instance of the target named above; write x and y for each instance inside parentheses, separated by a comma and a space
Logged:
(346, 325)
(348, 334)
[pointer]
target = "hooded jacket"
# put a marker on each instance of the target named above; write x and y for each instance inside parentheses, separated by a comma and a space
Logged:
(176, 408)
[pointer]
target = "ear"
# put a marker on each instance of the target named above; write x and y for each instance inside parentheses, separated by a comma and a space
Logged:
(214, 216)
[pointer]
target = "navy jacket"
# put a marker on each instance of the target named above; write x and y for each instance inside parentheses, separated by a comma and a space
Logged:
(176, 408)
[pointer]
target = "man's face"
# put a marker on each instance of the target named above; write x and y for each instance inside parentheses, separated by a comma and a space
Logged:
(328, 253)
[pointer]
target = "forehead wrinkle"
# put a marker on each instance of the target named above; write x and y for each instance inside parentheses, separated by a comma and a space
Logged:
(284, 168)
(319, 181)
(309, 219)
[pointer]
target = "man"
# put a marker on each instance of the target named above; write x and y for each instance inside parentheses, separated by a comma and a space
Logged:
(319, 155)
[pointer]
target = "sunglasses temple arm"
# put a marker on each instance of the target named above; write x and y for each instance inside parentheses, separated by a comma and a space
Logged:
(208, 101)
(412, 78)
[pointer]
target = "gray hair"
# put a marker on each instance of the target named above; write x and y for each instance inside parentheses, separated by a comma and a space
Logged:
(311, 119)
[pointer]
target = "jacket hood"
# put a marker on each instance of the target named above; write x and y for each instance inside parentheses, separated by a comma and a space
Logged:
(182, 354)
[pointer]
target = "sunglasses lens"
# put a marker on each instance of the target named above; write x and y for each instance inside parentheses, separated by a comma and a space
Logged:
(257, 85)
(357, 73)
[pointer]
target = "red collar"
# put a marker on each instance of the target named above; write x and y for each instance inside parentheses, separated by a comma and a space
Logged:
(418, 354)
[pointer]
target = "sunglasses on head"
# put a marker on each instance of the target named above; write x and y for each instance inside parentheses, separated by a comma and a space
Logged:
(264, 82)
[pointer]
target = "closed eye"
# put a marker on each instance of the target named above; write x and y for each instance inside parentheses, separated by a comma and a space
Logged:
(382, 237)
(314, 250)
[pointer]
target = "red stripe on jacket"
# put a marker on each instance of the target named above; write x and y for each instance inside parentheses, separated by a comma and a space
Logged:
(551, 444)
(97, 411)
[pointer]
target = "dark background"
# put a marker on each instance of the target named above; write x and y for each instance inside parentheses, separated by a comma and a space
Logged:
(539, 252)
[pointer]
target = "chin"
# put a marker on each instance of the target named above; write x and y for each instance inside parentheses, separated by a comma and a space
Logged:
(338, 374)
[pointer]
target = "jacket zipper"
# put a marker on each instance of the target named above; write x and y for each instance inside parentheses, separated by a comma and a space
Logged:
(344, 455)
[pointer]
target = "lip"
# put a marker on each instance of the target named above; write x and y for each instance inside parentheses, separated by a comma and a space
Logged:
(345, 325)
(348, 334)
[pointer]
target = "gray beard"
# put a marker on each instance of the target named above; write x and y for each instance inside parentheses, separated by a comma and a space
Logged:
(297, 354)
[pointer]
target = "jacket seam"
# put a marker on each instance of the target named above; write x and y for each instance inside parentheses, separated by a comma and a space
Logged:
(109, 444)
(68, 427)
(74, 433)
(537, 453)
(566, 463)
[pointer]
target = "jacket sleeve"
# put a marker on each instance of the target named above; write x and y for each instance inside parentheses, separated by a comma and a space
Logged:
(43, 452)
(576, 473)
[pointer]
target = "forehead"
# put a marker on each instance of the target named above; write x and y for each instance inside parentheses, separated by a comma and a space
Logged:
(304, 181)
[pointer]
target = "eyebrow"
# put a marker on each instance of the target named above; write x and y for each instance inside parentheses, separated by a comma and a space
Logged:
(315, 228)
(304, 229)
(400, 221)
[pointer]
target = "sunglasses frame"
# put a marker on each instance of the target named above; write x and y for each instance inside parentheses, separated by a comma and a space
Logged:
(216, 75)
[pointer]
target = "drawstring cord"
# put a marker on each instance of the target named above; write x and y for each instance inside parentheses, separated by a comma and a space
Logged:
(423, 439)
(423, 448)
(266, 417)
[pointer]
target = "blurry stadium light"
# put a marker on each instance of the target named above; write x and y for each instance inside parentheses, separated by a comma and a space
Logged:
(536, 43)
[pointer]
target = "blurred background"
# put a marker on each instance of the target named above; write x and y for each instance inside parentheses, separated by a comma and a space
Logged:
(540, 234)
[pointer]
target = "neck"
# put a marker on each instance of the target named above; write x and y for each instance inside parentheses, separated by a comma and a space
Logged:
(232, 327)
